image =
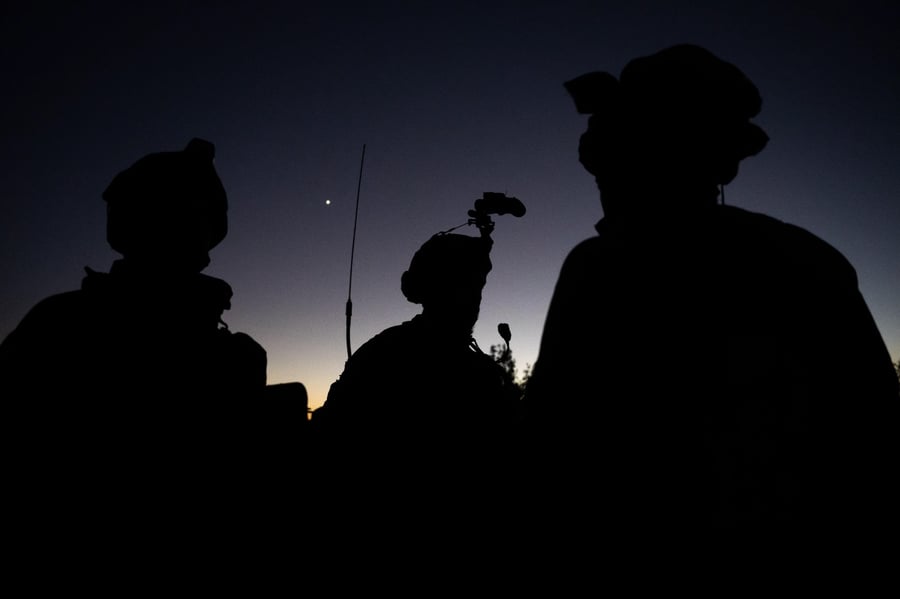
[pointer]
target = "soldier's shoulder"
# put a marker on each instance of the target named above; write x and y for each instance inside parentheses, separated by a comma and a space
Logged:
(50, 319)
(391, 337)
(59, 306)
(245, 342)
(793, 245)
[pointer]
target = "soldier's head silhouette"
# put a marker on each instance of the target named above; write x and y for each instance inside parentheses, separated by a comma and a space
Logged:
(168, 209)
(672, 128)
(447, 275)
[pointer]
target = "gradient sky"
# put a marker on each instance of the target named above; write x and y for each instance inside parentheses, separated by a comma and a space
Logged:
(451, 100)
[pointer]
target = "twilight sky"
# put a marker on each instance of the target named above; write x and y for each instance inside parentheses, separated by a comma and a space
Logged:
(451, 100)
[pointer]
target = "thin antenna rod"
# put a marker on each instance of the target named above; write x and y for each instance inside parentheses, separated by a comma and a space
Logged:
(349, 309)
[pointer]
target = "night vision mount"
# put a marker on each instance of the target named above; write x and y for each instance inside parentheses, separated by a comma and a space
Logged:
(490, 203)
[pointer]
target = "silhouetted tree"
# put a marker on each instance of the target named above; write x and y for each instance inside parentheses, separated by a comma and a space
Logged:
(502, 355)
(897, 368)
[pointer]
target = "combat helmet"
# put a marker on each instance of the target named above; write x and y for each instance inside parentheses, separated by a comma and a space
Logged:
(445, 260)
(168, 202)
(665, 109)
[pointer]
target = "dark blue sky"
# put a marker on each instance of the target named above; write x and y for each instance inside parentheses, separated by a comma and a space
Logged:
(451, 100)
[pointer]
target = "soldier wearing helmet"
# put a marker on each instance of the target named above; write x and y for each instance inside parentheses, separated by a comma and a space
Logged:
(422, 391)
(153, 322)
(712, 366)
(138, 364)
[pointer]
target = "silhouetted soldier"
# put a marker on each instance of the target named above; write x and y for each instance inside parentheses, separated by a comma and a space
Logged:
(701, 364)
(132, 386)
(151, 329)
(419, 409)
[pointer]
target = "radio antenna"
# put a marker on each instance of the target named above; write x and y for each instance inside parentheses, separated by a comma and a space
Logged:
(349, 310)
